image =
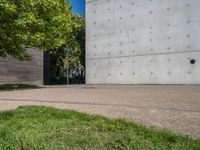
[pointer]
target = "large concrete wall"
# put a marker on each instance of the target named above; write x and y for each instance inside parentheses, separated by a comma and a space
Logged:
(142, 41)
(14, 71)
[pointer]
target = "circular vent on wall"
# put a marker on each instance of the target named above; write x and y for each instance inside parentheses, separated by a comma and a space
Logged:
(192, 61)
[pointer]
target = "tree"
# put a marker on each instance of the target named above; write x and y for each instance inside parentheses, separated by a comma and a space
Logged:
(45, 24)
(79, 35)
(76, 54)
(58, 62)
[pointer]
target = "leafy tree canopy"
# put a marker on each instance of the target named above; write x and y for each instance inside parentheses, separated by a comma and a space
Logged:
(75, 54)
(45, 24)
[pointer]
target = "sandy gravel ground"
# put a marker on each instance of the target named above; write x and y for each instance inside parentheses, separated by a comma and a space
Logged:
(174, 107)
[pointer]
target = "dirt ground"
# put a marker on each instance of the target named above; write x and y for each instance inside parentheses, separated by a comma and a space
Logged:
(174, 107)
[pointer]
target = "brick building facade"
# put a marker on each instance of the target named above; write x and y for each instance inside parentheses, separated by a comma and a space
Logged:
(14, 71)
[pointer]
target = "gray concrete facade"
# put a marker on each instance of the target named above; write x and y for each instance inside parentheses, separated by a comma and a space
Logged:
(14, 71)
(142, 42)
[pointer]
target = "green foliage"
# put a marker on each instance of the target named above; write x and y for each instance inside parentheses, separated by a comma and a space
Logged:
(53, 129)
(17, 86)
(59, 62)
(75, 57)
(45, 24)
(78, 44)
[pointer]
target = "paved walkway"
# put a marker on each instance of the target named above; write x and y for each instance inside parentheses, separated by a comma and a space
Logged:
(175, 107)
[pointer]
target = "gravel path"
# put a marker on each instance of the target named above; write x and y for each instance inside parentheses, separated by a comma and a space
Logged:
(174, 107)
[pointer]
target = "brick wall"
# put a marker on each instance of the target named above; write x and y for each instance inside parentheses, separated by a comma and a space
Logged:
(14, 71)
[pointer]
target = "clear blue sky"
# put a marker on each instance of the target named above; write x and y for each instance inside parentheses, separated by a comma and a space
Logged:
(78, 6)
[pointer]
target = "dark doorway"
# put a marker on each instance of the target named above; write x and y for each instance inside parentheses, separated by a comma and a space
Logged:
(71, 75)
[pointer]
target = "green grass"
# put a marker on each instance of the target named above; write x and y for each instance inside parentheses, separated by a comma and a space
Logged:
(43, 128)
(16, 86)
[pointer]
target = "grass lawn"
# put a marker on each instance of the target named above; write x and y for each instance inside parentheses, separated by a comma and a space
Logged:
(16, 86)
(43, 128)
